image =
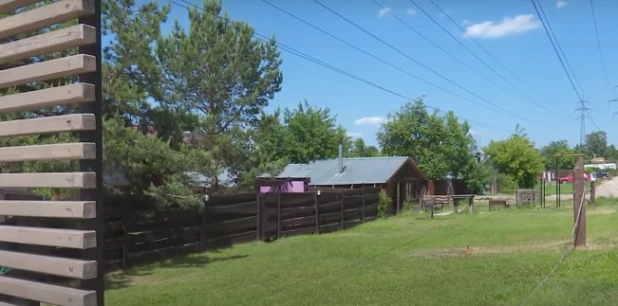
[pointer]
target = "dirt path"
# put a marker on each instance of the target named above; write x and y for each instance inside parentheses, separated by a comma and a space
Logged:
(606, 189)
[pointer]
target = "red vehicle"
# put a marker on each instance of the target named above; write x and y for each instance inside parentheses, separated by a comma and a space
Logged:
(569, 178)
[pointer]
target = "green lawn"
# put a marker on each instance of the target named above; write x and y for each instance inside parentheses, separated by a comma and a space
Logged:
(564, 188)
(407, 260)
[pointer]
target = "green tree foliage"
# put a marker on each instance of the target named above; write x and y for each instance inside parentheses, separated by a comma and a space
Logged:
(517, 158)
(359, 149)
(216, 70)
(438, 144)
(560, 147)
(312, 134)
(596, 143)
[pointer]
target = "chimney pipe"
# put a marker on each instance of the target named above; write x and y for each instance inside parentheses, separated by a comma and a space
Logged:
(341, 157)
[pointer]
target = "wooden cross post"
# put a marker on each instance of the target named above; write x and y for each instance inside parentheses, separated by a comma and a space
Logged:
(579, 202)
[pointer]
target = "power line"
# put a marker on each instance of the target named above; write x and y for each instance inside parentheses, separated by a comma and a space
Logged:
(596, 31)
(557, 48)
(374, 56)
(535, 103)
(483, 48)
(448, 53)
(328, 66)
(416, 61)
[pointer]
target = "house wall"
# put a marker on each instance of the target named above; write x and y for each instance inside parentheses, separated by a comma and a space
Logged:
(287, 187)
(396, 186)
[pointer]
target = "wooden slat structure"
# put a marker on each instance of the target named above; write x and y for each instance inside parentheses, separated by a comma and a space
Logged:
(28, 247)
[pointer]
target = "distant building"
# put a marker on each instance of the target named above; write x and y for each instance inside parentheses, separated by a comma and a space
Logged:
(398, 176)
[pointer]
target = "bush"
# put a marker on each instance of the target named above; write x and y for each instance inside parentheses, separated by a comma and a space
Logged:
(384, 201)
(507, 183)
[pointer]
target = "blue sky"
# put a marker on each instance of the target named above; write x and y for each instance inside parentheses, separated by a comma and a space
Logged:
(510, 30)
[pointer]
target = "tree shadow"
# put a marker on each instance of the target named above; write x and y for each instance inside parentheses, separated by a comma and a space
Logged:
(124, 278)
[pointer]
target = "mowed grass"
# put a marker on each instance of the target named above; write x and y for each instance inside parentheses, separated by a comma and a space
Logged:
(564, 188)
(407, 260)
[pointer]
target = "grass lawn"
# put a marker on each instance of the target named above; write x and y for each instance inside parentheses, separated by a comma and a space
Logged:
(564, 188)
(407, 260)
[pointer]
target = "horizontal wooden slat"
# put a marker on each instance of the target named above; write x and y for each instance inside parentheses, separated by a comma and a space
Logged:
(64, 238)
(66, 38)
(80, 180)
(62, 151)
(72, 268)
(48, 70)
(44, 16)
(49, 209)
(55, 96)
(49, 125)
(11, 5)
(46, 293)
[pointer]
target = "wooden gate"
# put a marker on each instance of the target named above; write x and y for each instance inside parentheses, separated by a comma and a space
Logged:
(50, 56)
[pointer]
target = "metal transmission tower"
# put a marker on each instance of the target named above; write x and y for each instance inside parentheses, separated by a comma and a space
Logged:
(583, 109)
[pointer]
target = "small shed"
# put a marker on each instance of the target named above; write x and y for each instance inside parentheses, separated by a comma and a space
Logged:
(398, 176)
(282, 184)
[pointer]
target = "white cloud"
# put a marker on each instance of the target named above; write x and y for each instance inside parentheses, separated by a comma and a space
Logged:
(561, 4)
(465, 22)
(508, 26)
(354, 134)
(411, 12)
(374, 120)
(383, 11)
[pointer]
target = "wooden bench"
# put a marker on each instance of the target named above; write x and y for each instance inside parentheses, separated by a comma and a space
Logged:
(438, 201)
(498, 202)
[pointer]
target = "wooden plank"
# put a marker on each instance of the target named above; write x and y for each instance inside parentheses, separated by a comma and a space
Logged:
(48, 70)
(49, 125)
(52, 294)
(64, 238)
(73, 268)
(80, 180)
(62, 151)
(61, 95)
(11, 5)
(62, 39)
(45, 16)
(49, 209)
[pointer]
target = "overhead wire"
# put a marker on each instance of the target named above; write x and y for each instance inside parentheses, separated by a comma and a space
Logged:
(418, 62)
(557, 47)
(596, 32)
(407, 25)
(371, 55)
(558, 50)
(443, 12)
(530, 99)
(331, 67)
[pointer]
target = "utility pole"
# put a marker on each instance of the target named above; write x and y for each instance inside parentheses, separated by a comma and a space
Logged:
(583, 109)
(579, 203)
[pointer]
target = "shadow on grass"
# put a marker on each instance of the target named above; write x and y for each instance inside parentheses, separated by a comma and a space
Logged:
(122, 278)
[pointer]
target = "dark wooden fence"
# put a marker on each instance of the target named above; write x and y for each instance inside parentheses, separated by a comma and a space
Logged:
(137, 231)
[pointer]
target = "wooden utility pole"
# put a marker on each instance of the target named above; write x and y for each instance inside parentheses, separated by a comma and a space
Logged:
(579, 202)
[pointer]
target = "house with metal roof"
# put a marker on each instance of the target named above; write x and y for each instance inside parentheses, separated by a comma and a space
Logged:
(398, 176)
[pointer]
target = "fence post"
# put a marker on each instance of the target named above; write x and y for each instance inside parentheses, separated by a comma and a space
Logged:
(203, 238)
(258, 200)
(363, 206)
(342, 215)
(125, 235)
(593, 192)
(316, 210)
(279, 225)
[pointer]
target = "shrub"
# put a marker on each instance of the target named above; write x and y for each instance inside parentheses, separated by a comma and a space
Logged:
(383, 202)
(507, 183)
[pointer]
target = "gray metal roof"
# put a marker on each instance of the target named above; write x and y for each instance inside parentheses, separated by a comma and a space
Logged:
(361, 170)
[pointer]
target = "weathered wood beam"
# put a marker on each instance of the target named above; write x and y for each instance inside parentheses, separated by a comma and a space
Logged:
(56, 295)
(61, 151)
(65, 238)
(48, 70)
(49, 125)
(73, 180)
(72, 268)
(49, 209)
